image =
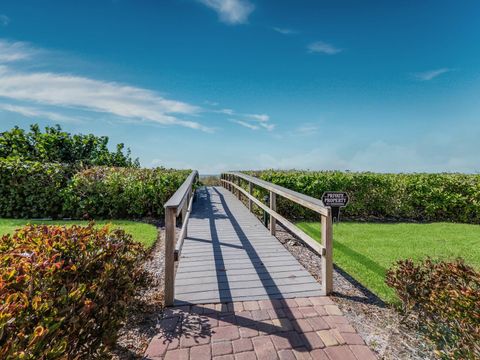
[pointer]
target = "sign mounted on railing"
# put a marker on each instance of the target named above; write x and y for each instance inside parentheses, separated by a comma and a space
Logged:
(335, 200)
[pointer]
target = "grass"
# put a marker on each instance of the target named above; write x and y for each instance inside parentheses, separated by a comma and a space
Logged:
(141, 232)
(367, 250)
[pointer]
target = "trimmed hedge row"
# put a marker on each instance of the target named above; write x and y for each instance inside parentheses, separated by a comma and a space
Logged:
(103, 192)
(64, 291)
(30, 189)
(420, 197)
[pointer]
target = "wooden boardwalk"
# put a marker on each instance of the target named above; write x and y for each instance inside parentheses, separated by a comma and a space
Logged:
(229, 256)
(239, 294)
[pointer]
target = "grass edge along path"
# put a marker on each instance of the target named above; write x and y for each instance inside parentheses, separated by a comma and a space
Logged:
(367, 250)
(144, 233)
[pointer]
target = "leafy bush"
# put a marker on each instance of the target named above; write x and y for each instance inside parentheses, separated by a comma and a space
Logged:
(64, 291)
(446, 298)
(30, 189)
(55, 145)
(104, 192)
(423, 197)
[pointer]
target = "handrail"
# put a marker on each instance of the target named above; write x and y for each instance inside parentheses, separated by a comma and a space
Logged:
(180, 202)
(325, 249)
(178, 198)
(302, 199)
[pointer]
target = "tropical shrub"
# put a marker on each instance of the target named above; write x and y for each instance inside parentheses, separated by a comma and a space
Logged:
(30, 189)
(55, 145)
(421, 197)
(105, 192)
(445, 296)
(64, 290)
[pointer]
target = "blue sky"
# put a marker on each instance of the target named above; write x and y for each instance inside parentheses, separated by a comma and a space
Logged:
(391, 86)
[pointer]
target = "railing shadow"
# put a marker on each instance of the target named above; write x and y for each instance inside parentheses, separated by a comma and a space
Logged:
(368, 296)
(266, 279)
(194, 323)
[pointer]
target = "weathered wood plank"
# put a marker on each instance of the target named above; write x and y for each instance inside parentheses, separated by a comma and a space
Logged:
(229, 255)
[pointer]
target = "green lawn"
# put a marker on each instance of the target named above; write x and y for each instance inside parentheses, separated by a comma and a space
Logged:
(141, 232)
(367, 250)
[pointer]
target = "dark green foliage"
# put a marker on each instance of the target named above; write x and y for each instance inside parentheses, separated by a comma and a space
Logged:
(30, 189)
(55, 145)
(105, 192)
(445, 297)
(64, 290)
(421, 197)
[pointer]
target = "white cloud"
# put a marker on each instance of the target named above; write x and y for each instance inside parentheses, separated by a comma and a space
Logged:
(58, 95)
(245, 124)
(269, 127)
(32, 112)
(284, 31)
(259, 117)
(254, 121)
(436, 152)
(15, 51)
(4, 20)
(94, 95)
(323, 47)
(231, 11)
(431, 74)
(226, 111)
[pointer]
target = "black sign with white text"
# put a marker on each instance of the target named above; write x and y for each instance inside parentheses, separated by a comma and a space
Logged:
(335, 199)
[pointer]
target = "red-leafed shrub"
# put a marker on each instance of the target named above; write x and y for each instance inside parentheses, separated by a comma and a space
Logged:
(64, 290)
(445, 296)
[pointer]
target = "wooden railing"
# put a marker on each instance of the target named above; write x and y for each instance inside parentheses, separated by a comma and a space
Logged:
(232, 182)
(179, 203)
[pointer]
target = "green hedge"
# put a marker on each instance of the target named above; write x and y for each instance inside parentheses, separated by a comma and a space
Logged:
(421, 197)
(65, 290)
(106, 192)
(30, 189)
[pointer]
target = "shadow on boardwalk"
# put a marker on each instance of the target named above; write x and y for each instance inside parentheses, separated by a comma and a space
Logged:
(278, 322)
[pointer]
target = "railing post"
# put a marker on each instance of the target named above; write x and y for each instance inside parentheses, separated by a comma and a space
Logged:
(273, 206)
(184, 209)
(238, 190)
(170, 219)
(327, 258)
(250, 190)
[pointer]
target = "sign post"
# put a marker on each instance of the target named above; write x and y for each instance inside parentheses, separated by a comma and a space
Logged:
(335, 200)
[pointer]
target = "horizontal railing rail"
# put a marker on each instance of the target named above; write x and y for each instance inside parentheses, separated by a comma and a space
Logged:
(232, 182)
(180, 203)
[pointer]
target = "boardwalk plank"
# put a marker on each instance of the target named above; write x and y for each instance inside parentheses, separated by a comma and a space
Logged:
(230, 256)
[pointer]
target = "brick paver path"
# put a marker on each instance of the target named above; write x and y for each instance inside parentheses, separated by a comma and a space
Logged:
(301, 328)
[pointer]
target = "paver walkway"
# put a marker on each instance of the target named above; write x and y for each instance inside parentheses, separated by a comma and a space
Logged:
(301, 328)
(241, 295)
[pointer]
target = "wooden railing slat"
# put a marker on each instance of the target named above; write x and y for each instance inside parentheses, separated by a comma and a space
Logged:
(231, 181)
(178, 199)
(175, 206)
(302, 199)
(314, 245)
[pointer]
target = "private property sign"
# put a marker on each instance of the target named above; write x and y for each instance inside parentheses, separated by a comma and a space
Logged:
(335, 200)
